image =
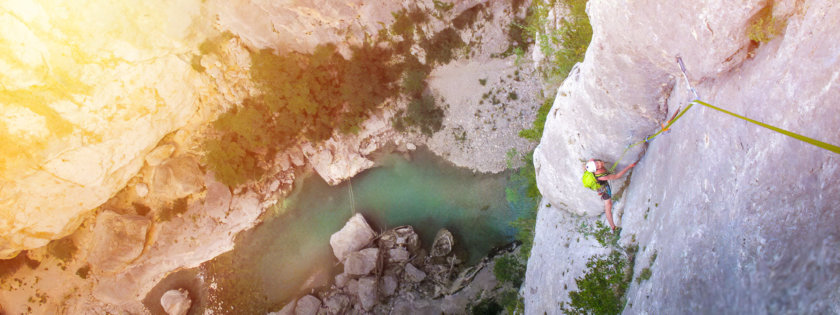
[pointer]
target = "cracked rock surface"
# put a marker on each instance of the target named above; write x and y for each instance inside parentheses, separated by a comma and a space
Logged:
(741, 218)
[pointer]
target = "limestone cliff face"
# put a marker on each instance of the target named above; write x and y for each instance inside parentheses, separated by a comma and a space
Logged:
(742, 219)
(88, 89)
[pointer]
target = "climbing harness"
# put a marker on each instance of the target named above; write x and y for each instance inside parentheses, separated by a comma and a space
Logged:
(679, 113)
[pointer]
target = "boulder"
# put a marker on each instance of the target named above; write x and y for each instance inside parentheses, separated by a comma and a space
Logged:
(403, 236)
(296, 157)
(307, 305)
(352, 287)
(335, 161)
(159, 154)
(282, 160)
(398, 255)
(118, 240)
(361, 262)
(176, 302)
(355, 234)
(443, 243)
(341, 280)
(387, 285)
(177, 177)
(217, 200)
(413, 274)
(337, 303)
(368, 293)
(141, 189)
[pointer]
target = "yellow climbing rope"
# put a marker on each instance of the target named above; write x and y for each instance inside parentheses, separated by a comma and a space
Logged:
(680, 113)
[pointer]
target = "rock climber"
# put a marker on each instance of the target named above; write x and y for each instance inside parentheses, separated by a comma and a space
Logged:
(596, 177)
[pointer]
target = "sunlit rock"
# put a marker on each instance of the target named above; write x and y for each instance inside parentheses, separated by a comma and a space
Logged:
(90, 88)
(176, 302)
(176, 178)
(355, 234)
(118, 240)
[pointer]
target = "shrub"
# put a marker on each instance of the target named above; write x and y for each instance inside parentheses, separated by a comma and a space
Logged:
(440, 49)
(523, 196)
(414, 82)
(644, 275)
(402, 24)
(486, 307)
(535, 133)
(509, 269)
(573, 36)
(765, 26)
(601, 290)
(601, 232)
(512, 302)
(423, 114)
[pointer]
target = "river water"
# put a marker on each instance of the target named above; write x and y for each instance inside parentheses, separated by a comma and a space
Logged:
(289, 252)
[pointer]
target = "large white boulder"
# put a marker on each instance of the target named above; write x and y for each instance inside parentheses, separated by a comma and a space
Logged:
(355, 234)
(176, 302)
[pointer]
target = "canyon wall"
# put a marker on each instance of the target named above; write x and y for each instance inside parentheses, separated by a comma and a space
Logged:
(729, 217)
(88, 90)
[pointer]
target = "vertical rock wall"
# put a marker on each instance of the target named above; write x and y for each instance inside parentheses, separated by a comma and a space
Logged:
(741, 219)
(88, 89)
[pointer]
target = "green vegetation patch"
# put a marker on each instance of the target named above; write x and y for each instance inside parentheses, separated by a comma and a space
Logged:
(644, 275)
(574, 35)
(564, 46)
(307, 96)
(442, 47)
(764, 26)
(486, 307)
(536, 131)
(601, 290)
(316, 95)
(509, 269)
(523, 196)
(602, 234)
(423, 114)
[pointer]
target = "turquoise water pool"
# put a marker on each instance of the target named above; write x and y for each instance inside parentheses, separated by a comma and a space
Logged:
(289, 252)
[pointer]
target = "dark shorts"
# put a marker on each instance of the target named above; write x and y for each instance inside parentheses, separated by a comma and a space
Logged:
(605, 192)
